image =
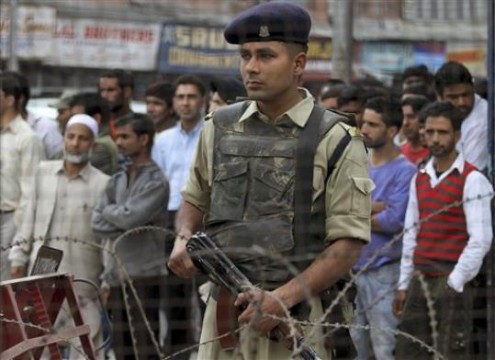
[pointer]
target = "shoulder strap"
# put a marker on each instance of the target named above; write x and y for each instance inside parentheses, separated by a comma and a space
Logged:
(305, 154)
(337, 153)
(229, 114)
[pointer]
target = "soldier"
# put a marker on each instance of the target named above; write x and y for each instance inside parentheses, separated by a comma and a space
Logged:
(242, 180)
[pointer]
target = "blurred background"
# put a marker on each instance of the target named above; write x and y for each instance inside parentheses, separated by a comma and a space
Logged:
(67, 44)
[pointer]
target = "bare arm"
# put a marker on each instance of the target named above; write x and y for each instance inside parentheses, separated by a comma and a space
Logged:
(189, 220)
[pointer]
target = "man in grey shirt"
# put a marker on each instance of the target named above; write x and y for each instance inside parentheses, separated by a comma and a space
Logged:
(134, 197)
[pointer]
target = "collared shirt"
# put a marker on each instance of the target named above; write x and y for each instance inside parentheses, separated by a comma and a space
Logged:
(126, 205)
(173, 152)
(49, 133)
(478, 220)
(62, 206)
(347, 193)
(20, 153)
(474, 135)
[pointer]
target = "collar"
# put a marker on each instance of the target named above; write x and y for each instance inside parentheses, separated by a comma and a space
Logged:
(299, 113)
(195, 129)
(83, 174)
(457, 164)
(32, 118)
(15, 125)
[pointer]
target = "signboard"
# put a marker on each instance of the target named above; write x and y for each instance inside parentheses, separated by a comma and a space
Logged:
(472, 55)
(34, 32)
(105, 44)
(431, 54)
(319, 55)
(387, 56)
(196, 49)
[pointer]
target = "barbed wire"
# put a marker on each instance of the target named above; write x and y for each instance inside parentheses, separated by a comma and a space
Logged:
(127, 281)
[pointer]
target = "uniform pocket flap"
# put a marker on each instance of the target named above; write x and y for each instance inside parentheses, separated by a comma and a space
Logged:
(230, 170)
(364, 185)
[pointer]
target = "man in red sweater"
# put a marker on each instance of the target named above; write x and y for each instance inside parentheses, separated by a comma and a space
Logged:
(448, 232)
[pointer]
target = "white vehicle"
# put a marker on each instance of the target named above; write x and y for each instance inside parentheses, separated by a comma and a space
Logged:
(41, 106)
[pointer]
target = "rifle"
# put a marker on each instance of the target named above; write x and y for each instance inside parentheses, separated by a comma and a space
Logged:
(213, 262)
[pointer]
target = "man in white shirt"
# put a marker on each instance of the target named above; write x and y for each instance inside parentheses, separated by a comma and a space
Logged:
(454, 84)
(173, 152)
(448, 233)
(59, 209)
(46, 129)
(20, 153)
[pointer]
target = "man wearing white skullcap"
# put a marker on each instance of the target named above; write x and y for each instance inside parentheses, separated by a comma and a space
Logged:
(59, 212)
(84, 119)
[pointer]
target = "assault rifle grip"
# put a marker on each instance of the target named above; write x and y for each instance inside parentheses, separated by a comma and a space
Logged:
(212, 261)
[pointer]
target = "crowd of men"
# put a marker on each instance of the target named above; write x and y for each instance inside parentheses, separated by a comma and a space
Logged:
(101, 171)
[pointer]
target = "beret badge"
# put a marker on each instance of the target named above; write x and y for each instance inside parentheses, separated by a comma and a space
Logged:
(264, 32)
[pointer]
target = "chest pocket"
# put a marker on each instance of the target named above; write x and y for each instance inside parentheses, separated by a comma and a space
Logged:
(228, 196)
(272, 191)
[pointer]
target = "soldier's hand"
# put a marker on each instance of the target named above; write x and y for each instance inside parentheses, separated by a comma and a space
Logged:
(180, 262)
(17, 272)
(399, 302)
(261, 303)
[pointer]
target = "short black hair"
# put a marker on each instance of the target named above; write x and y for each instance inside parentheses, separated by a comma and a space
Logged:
(416, 102)
(124, 77)
(419, 71)
(445, 109)
(389, 107)
(162, 90)
(189, 79)
(93, 104)
(23, 85)
(350, 93)
(141, 124)
(332, 91)
(11, 86)
(421, 89)
(452, 73)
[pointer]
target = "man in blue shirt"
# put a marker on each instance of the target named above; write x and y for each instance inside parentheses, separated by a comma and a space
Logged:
(380, 259)
(173, 152)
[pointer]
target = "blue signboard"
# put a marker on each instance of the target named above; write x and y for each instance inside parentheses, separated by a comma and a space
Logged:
(193, 48)
(431, 54)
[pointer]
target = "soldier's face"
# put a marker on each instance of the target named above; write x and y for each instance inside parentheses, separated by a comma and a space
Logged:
(269, 70)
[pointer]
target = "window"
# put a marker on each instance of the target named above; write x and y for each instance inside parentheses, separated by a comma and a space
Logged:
(445, 10)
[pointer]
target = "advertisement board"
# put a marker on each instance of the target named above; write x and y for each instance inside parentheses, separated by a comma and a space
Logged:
(34, 31)
(109, 44)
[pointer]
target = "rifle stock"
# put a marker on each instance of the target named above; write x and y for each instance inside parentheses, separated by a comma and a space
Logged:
(213, 262)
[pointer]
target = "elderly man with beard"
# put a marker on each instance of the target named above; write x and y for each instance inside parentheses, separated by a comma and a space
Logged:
(63, 197)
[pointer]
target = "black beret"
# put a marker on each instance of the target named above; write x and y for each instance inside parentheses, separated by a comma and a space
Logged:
(273, 21)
